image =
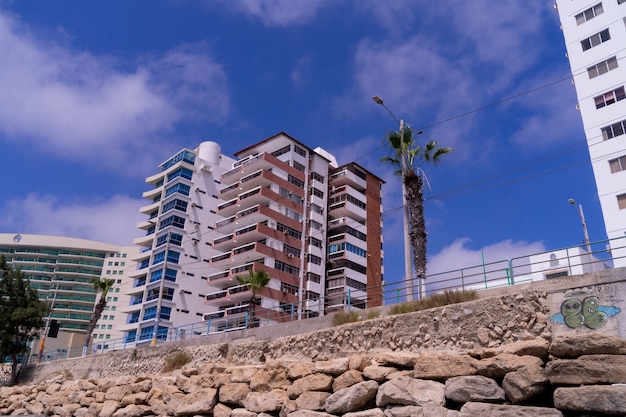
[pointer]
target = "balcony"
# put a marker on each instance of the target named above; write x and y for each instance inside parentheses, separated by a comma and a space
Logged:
(351, 176)
(145, 241)
(259, 178)
(215, 295)
(239, 255)
(237, 311)
(246, 166)
(226, 278)
(228, 296)
(249, 198)
(347, 209)
(240, 237)
(153, 193)
(213, 316)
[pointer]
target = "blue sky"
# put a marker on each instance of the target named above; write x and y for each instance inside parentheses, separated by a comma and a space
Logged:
(94, 95)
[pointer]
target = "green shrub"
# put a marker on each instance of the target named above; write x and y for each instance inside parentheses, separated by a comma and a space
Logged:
(176, 361)
(435, 300)
(343, 317)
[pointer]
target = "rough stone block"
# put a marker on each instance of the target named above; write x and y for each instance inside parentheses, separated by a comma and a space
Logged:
(410, 391)
(596, 399)
(588, 370)
(352, 398)
(462, 389)
(497, 410)
(575, 344)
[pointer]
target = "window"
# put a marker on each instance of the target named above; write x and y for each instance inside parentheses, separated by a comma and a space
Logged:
(175, 204)
(609, 98)
(290, 269)
(281, 151)
(295, 181)
(299, 166)
(175, 221)
(315, 225)
(314, 242)
(602, 67)
(618, 164)
(595, 40)
(616, 129)
(621, 201)
(316, 209)
(180, 172)
(317, 177)
(589, 14)
(310, 276)
(149, 313)
(316, 192)
(299, 150)
(288, 231)
(314, 259)
(290, 250)
(165, 313)
(288, 288)
(178, 188)
(312, 296)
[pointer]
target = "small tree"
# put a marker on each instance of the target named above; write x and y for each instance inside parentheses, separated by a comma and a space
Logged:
(102, 286)
(255, 281)
(21, 315)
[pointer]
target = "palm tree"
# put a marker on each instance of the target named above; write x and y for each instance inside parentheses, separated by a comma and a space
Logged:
(408, 156)
(255, 281)
(102, 286)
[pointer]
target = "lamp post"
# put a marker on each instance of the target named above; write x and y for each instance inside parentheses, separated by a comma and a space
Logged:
(586, 240)
(408, 265)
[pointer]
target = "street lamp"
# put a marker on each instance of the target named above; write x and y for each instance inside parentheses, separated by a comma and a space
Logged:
(408, 265)
(586, 241)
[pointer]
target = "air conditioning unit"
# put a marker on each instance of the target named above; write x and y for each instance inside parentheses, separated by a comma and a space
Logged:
(290, 255)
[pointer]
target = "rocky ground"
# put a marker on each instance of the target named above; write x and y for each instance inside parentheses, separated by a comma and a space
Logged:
(575, 375)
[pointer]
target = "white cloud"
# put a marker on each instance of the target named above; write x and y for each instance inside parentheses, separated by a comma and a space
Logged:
(301, 73)
(277, 12)
(75, 105)
(459, 255)
(112, 221)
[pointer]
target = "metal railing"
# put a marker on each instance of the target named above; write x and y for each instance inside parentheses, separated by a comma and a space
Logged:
(557, 263)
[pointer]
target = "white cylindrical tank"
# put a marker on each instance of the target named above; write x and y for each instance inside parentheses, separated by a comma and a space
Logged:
(209, 153)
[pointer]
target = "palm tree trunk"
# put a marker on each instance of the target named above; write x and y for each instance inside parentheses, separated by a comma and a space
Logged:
(251, 312)
(97, 312)
(415, 201)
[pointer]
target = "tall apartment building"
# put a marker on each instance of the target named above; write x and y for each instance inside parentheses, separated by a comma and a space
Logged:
(61, 269)
(314, 227)
(595, 35)
(281, 208)
(168, 285)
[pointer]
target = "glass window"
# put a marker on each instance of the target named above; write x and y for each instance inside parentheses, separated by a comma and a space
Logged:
(602, 67)
(618, 164)
(589, 14)
(621, 201)
(610, 97)
(595, 40)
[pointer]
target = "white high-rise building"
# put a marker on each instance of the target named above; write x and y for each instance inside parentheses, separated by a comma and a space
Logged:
(169, 284)
(595, 37)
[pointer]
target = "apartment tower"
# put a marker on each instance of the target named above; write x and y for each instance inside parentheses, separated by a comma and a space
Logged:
(61, 270)
(168, 286)
(313, 227)
(595, 35)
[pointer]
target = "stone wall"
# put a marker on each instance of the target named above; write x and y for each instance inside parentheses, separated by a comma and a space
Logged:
(572, 375)
(489, 322)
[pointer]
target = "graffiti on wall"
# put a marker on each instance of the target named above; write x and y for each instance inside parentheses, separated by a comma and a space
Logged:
(582, 309)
